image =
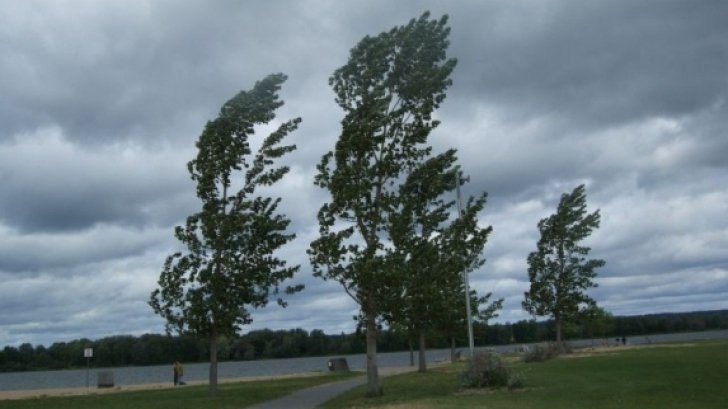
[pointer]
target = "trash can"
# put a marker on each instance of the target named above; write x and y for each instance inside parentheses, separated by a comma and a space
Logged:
(105, 379)
(338, 364)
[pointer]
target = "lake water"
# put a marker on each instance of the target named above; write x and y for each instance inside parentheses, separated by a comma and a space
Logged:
(157, 374)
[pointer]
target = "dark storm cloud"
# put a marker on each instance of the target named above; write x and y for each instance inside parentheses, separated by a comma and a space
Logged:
(92, 300)
(101, 104)
(129, 74)
(549, 90)
(50, 184)
(594, 64)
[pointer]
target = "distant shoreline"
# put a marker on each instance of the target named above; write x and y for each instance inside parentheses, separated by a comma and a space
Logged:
(53, 383)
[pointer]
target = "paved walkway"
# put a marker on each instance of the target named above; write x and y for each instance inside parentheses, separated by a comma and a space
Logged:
(309, 398)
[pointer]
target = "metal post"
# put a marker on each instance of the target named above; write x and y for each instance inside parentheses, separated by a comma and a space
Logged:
(466, 279)
(88, 353)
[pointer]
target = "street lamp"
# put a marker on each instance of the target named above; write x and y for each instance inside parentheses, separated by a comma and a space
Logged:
(466, 279)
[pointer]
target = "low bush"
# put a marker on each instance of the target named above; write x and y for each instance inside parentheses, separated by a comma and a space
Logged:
(540, 353)
(487, 370)
(516, 381)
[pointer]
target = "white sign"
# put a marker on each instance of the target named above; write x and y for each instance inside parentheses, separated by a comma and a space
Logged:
(88, 352)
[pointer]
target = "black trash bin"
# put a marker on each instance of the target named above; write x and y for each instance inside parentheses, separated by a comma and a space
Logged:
(105, 379)
(338, 364)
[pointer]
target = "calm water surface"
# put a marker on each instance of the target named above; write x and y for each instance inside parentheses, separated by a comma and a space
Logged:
(155, 374)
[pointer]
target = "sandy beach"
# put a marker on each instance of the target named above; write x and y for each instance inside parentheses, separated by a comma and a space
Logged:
(44, 393)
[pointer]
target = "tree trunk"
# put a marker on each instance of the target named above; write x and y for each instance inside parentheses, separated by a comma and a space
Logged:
(213, 365)
(411, 350)
(453, 358)
(557, 320)
(373, 386)
(423, 349)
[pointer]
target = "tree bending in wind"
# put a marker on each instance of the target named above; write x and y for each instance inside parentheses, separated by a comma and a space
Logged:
(229, 267)
(431, 250)
(558, 270)
(388, 90)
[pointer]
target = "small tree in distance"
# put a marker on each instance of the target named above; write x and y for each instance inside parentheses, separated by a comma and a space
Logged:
(558, 270)
(229, 266)
(596, 322)
(431, 250)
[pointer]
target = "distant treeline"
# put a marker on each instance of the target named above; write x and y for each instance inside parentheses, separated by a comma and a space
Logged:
(613, 327)
(154, 349)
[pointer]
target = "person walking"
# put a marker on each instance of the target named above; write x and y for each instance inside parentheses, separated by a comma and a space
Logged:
(176, 373)
(179, 373)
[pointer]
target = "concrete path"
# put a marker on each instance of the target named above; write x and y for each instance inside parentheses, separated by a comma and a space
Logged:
(309, 398)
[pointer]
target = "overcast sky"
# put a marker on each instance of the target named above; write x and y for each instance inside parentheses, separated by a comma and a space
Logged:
(101, 103)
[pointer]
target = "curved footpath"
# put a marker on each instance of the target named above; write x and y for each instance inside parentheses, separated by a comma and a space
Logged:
(310, 398)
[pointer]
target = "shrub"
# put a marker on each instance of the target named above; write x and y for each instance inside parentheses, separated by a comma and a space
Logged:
(516, 381)
(487, 370)
(540, 353)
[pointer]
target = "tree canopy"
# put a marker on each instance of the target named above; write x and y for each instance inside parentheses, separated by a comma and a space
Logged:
(432, 250)
(229, 267)
(388, 91)
(559, 270)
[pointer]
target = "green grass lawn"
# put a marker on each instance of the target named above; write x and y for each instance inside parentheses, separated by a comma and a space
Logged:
(230, 396)
(666, 376)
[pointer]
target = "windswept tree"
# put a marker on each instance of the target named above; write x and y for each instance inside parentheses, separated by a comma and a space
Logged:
(229, 267)
(595, 322)
(559, 270)
(431, 251)
(452, 322)
(388, 90)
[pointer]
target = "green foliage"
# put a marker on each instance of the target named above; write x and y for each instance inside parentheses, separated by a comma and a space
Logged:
(665, 377)
(487, 370)
(388, 91)
(558, 270)
(432, 252)
(596, 322)
(229, 264)
(516, 381)
(156, 349)
(229, 267)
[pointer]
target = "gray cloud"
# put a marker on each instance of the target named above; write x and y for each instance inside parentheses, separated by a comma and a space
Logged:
(594, 65)
(102, 103)
(52, 184)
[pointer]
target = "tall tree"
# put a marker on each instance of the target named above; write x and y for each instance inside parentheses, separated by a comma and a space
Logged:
(388, 90)
(559, 270)
(229, 267)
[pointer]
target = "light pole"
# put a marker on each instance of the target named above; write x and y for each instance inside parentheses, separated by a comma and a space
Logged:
(466, 279)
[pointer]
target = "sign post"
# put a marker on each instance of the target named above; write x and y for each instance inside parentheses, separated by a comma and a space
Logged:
(88, 353)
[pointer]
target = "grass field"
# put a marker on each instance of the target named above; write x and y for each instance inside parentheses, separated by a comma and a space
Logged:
(665, 376)
(231, 396)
